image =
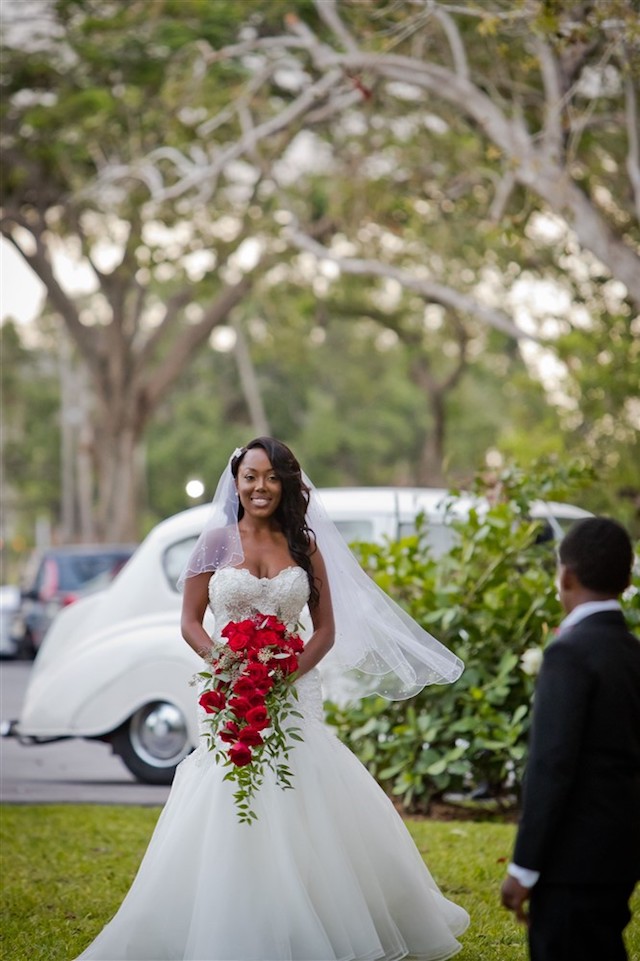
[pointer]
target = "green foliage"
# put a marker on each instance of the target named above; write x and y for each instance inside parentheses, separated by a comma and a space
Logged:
(193, 433)
(30, 391)
(599, 418)
(490, 599)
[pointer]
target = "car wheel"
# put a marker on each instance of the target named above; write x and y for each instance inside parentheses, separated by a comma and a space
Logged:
(153, 742)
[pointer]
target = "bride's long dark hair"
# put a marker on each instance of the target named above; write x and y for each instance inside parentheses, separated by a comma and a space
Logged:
(291, 513)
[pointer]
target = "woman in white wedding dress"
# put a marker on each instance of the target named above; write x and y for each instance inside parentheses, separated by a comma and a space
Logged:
(327, 871)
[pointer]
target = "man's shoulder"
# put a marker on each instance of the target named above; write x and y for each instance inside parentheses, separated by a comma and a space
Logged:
(597, 623)
(601, 634)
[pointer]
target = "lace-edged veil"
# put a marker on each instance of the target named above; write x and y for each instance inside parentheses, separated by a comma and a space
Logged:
(379, 648)
(219, 544)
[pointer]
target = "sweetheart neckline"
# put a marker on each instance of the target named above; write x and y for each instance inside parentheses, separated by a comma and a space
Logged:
(245, 570)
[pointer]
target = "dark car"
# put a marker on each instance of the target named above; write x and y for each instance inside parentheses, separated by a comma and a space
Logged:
(56, 577)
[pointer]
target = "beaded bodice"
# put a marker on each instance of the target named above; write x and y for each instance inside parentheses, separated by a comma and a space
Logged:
(235, 593)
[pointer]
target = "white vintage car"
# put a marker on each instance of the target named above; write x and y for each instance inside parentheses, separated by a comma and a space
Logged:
(113, 666)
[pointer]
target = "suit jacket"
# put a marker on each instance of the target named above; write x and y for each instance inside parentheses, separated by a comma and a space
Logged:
(580, 819)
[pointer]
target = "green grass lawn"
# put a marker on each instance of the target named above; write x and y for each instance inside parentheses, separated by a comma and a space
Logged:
(65, 870)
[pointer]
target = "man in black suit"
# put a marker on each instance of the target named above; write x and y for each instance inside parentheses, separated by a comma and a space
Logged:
(577, 851)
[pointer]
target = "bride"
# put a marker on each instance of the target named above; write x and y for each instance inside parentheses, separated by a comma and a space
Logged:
(327, 870)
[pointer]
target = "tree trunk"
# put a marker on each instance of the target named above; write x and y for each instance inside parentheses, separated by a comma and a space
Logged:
(118, 458)
(249, 383)
(85, 463)
(430, 473)
(127, 383)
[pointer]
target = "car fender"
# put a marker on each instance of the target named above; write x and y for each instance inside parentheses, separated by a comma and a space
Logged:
(96, 687)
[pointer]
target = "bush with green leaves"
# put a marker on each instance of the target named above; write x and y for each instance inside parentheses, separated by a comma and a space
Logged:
(491, 599)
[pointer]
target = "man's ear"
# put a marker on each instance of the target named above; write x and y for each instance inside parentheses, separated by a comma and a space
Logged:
(567, 580)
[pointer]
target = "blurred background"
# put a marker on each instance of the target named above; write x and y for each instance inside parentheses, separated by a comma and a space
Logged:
(401, 236)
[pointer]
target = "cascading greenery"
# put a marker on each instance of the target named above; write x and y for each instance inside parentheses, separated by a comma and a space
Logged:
(491, 599)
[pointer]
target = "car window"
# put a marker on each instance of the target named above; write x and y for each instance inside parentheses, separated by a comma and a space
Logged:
(406, 529)
(439, 537)
(74, 570)
(355, 530)
(545, 532)
(174, 559)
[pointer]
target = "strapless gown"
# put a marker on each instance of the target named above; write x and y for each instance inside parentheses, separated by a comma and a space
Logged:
(328, 872)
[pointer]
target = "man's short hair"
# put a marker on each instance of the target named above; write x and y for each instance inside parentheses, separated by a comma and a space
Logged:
(600, 553)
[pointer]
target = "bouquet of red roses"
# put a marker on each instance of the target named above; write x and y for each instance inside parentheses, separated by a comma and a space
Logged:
(248, 698)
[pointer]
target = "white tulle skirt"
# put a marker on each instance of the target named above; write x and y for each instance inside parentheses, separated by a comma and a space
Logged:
(327, 873)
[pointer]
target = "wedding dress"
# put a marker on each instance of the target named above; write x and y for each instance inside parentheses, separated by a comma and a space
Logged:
(328, 872)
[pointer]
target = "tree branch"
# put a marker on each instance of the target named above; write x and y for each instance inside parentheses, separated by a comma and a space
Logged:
(458, 51)
(552, 137)
(191, 338)
(249, 382)
(430, 290)
(531, 167)
(40, 263)
(236, 50)
(205, 176)
(633, 137)
(501, 196)
(463, 342)
(172, 312)
(207, 127)
(327, 10)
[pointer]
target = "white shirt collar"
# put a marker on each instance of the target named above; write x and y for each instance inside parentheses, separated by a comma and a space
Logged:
(585, 610)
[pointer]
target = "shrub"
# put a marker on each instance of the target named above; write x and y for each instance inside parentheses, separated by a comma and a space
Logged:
(492, 600)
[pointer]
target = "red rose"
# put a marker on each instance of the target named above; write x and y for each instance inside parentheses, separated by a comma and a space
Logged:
(256, 699)
(258, 717)
(261, 688)
(256, 671)
(244, 686)
(230, 732)
(239, 635)
(270, 638)
(273, 624)
(296, 644)
(240, 706)
(287, 665)
(239, 627)
(251, 736)
(240, 754)
(212, 701)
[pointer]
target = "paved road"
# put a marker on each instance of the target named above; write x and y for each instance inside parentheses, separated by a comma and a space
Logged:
(66, 771)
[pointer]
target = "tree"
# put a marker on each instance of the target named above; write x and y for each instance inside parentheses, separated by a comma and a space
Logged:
(421, 146)
(558, 104)
(102, 83)
(453, 138)
(553, 101)
(598, 417)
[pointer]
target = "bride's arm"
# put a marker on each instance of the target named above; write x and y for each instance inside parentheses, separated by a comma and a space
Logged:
(321, 641)
(194, 605)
